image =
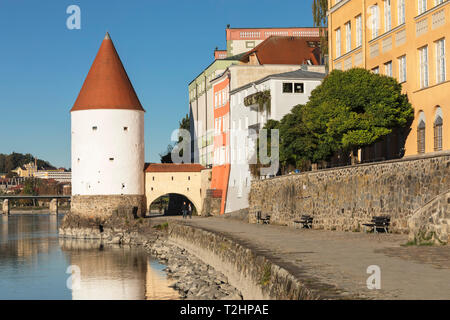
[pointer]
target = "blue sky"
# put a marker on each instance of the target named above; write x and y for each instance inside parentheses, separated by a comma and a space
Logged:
(163, 46)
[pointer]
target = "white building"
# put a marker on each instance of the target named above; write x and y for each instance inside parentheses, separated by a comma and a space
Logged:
(58, 175)
(286, 91)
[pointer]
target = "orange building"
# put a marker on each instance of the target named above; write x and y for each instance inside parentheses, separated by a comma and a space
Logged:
(221, 153)
(405, 39)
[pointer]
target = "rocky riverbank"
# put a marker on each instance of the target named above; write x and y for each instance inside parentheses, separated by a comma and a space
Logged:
(195, 279)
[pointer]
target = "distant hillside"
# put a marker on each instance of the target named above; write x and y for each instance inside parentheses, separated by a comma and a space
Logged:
(11, 161)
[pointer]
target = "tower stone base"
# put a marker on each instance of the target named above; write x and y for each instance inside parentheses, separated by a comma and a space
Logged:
(90, 215)
(101, 207)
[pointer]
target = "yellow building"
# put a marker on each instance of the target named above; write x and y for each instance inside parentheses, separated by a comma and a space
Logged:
(27, 170)
(405, 39)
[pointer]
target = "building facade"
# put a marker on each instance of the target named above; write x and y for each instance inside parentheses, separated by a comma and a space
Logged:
(239, 42)
(407, 40)
(221, 161)
(285, 90)
(58, 175)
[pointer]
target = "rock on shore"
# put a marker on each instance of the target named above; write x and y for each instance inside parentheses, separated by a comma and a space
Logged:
(195, 279)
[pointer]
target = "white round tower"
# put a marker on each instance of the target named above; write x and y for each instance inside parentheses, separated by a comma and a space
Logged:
(107, 122)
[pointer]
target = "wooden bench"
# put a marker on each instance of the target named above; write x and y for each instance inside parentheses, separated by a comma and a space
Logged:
(378, 222)
(306, 221)
(259, 218)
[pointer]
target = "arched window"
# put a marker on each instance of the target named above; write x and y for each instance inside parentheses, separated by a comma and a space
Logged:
(438, 130)
(421, 133)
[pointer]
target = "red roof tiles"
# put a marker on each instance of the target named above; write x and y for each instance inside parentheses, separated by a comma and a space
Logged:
(286, 50)
(173, 167)
(107, 85)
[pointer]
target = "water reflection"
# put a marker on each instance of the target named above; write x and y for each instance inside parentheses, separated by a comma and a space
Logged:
(33, 264)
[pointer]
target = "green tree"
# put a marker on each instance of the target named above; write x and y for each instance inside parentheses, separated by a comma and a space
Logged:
(353, 109)
(297, 145)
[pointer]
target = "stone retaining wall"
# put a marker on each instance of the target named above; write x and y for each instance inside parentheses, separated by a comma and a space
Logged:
(345, 198)
(102, 206)
(253, 275)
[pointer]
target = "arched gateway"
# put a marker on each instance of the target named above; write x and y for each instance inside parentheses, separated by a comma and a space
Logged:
(183, 179)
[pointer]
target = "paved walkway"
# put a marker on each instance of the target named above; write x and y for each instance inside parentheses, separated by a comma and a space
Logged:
(340, 259)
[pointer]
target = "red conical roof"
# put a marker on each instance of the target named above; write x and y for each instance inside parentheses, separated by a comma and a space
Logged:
(107, 85)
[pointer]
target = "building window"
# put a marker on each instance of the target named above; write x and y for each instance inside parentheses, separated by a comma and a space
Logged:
(402, 69)
(189, 177)
(153, 178)
(358, 31)
(111, 159)
(374, 15)
(249, 44)
(348, 37)
(287, 87)
(401, 11)
(125, 128)
(338, 43)
(387, 15)
(94, 128)
(422, 6)
(438, 130)
(436, 2)
(423, 54)
(440, 61)
(421, 133)
(298, 87)
(388, 68)
(376, 70)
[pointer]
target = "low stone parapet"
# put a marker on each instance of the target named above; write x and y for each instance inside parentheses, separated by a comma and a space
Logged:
(255, 276)
(431, 223)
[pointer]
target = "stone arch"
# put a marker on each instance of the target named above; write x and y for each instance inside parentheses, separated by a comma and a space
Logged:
(197, 204)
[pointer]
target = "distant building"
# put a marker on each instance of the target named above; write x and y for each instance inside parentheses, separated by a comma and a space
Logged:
(27, 170)
(59, 175)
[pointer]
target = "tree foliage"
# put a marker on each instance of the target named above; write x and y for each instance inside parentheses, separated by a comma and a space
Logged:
(349, 110)
(166, 157)
(14, 160)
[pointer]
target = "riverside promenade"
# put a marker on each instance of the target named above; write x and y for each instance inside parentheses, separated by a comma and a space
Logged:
(340, 259)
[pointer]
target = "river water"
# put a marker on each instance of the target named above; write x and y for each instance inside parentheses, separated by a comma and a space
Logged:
(36, 264)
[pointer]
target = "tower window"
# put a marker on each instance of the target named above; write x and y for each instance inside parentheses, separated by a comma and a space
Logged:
(125, 128)
(111, 159)
(123, 185)
(94, 128)
(189, 177)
